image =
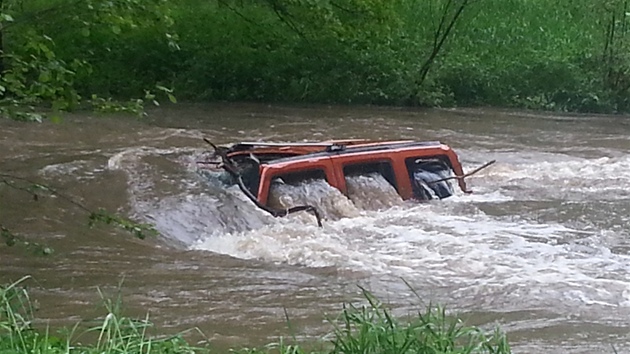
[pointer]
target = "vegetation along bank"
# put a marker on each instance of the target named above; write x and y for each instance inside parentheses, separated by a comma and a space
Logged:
(368, 328)
(557, 55)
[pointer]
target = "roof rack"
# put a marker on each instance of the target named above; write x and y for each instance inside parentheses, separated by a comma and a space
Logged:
(335, 145)
(323, 144)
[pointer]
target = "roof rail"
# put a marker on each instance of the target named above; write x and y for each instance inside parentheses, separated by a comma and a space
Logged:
(326, 146)
(247, 143)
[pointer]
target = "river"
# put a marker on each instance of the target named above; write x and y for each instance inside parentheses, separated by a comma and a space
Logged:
(541, 248)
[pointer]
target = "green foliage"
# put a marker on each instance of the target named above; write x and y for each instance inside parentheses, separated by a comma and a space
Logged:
(37, 76)
(532, 54)
(373, 329)
(16, 314)
(558, 55)
(539, 54)
(41, 71)
(109, 105)
(11, 239)
(120, 334)
(116, 334)
(140, 231)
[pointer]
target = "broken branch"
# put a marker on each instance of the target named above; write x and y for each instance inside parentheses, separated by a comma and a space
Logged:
(464, 175)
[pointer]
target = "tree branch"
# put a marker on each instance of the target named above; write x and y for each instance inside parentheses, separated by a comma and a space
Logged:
(466, 175)
(441, 34)
(238, 13)
(345, 9)
(284, 15)
(101, 215)
(6, 179)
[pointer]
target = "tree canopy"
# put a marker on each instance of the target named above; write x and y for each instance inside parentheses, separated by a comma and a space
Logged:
(561, 55)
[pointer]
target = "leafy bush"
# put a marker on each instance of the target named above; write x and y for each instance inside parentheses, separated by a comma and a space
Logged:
(534, 54)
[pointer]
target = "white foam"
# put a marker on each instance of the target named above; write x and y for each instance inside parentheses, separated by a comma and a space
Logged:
(448, 244)
(66, 168)
(474, 254)
(563, 177)
(372, 192)
(583, 169)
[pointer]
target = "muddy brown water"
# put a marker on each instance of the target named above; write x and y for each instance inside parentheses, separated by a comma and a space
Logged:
(541, 248)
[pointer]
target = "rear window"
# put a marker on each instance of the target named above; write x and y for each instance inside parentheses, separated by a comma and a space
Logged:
(412, 163)
(295, 178)
(428, 176)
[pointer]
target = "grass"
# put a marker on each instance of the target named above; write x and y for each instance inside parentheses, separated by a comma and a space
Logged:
(369, 328)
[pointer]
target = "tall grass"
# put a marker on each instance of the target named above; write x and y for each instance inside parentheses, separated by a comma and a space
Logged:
(116, 333)
(359, 329)
(373, 329)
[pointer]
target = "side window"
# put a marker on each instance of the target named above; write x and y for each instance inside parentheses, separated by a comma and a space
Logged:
(428, 177)
(295, 178)
(413, 163)
(384, 168)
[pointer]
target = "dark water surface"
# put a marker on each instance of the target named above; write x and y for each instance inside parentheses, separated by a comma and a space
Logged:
(541, 248)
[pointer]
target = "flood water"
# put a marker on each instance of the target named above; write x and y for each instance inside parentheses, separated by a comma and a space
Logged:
(542, 248)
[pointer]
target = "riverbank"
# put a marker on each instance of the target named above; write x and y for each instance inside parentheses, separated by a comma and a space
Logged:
(360, 328)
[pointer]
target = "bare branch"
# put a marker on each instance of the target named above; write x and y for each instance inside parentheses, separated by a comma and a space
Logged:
(139, 230)
(284, 16)
(6, 179)
(238, 13)
(441, 34)
(345, 9)
(466, 175)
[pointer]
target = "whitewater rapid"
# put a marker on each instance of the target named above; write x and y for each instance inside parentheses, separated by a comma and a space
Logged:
(495, 248)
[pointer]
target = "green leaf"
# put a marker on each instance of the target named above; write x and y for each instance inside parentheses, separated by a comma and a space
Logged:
(162, 88)
(6, 18)
(85, 32)
(44, 76)
(116, 29)
(56, 118)
(172, 98)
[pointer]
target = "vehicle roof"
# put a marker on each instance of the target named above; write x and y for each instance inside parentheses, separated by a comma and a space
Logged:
(358, 148)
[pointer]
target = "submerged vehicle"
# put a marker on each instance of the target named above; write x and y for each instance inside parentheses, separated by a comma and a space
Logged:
(417, 170)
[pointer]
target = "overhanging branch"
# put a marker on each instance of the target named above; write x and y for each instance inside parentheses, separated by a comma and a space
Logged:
(440, 35)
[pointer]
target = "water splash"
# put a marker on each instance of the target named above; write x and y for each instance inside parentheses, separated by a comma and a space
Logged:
(543, 176)
(507, 263)
(477, 257)
(166, 189)
(330, 202)
(372, 192)
(451, 245)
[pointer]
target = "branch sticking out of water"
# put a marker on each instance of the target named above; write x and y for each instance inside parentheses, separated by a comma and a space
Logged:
(38, 190)
(227, 164)
(487, 164)
(11, 239)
